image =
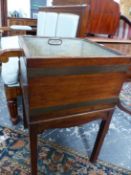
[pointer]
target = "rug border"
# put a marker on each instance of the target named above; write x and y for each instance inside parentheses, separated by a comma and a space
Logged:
(74, 152)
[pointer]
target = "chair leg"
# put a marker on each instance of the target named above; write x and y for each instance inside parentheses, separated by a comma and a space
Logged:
(12, 106)
(33, 150)
(11, 96)
(104, 126)
(24, 114)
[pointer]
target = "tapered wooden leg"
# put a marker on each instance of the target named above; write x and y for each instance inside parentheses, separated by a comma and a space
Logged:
(33, 151)
(24, 114)
(100, 136)
(11, 96)
(24, 119)
(12, 106)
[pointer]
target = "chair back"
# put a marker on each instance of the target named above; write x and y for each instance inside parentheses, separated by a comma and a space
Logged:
(57, 24)
(63, 21)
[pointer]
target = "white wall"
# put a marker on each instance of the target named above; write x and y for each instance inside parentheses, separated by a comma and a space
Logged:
(22, 6)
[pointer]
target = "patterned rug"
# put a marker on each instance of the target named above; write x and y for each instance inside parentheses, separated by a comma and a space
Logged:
(53, 159)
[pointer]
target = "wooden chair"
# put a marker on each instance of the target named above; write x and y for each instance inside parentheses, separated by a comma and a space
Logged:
(69, 90)
(10, 74)
(10, 70)
(12, 88)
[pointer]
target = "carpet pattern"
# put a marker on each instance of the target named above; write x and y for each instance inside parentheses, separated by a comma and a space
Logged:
(53, 159)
